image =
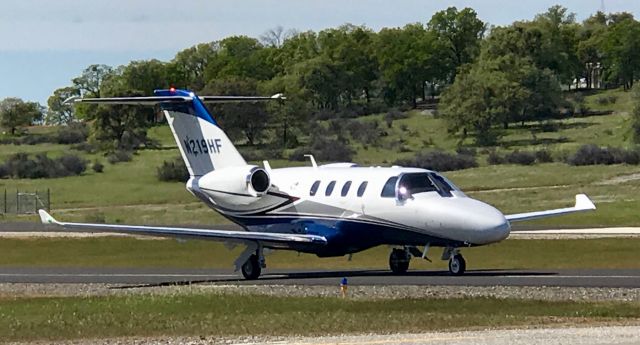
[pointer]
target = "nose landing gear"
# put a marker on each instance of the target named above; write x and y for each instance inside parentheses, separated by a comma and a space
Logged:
(457, 264)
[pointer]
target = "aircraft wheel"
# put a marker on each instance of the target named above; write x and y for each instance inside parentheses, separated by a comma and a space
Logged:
(399, 261)
(251, 269)
(457, 265)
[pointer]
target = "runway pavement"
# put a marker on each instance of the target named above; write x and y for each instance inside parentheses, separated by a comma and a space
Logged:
(627, 278)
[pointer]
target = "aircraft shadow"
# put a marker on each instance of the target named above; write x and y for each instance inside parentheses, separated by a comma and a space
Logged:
(286, 278)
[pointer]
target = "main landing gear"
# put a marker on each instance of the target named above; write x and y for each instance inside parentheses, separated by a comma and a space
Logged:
(399, 259)
(251, 261)
(251, 269)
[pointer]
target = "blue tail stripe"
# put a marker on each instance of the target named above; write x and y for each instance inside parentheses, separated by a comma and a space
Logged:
(196, 107)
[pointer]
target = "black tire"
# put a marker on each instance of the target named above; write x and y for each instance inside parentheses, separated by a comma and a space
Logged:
(251, 268)
(399, 261)
(457, 265)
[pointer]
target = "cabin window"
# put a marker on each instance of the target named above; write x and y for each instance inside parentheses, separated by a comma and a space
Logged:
(362, 188)
(389, 189)
(329, 189)
(345, 188)
(314, 188)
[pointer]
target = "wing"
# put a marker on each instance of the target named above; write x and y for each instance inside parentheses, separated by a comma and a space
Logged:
(583, 203)
(276, 239)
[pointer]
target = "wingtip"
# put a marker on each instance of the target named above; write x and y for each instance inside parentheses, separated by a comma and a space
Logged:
(583, 202)
(46, 218)
(72, 99)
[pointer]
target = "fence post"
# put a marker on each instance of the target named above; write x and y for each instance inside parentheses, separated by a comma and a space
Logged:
(5, 201)
(48, 200)
(17, 201)
(35, 202)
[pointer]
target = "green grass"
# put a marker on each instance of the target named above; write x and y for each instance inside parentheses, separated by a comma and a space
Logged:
(129, 252)
(51, 319)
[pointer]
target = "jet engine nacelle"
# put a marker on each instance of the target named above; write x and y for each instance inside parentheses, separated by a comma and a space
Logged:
(240, 185)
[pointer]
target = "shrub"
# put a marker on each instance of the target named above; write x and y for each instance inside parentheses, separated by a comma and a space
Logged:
(174, 170)
(605, 100)
(549, 126)
(4, 171)
(119, 156)
(392, 115)
(593, 155)
(72, 134)
(543, 156)
(97, 167)
(34, 139)
(469, 151)
(85, 147)
(254, 154)
(520, 157)
(495, 158)
(439, 161)
(366, 132)
(73, 164)
(21, 166)
(324, 149)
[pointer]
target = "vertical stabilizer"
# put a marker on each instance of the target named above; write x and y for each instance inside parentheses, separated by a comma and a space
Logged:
(204, 146)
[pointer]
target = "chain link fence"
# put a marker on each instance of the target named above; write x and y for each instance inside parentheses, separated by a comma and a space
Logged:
(25, 202)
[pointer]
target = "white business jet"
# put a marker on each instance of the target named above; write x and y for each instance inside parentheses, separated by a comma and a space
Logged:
(328, 210)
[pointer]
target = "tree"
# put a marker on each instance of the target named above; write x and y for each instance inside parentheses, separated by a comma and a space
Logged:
(15, 113)
(405, 57)
(275, 37)
(635, 115)
(144, 76)
(240, 120)
(559, 43)
(60, 113)
(480, 98)
(91, 79)
(589, 49)
(187, 68)
(458, 34)
(621, 48)
(239, 56)
(499, 91)
(119, 127)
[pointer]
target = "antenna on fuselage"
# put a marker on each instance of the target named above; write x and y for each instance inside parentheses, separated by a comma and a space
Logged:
(313, 161)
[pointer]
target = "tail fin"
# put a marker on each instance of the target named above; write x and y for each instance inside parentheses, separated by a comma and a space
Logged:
(204, 146)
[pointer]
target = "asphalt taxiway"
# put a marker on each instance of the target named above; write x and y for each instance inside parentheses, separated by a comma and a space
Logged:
(612, 278)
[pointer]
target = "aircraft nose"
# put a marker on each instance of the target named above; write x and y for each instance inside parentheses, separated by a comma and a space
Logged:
(491, 224)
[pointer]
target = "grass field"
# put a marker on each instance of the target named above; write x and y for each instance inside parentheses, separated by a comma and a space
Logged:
(130, 192)
(232, 315)
(130, 252)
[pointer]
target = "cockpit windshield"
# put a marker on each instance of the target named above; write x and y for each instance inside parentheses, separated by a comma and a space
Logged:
(414, 183)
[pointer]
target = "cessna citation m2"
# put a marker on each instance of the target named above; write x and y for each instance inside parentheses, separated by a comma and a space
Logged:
(328, 210)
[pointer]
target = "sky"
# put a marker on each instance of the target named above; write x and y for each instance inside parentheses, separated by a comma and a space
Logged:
(44, 44)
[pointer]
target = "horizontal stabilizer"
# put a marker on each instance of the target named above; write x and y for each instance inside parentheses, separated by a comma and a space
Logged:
(210, 234)
(153, 100)
(583, 203)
